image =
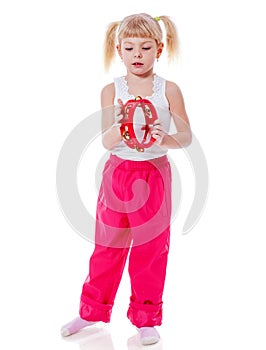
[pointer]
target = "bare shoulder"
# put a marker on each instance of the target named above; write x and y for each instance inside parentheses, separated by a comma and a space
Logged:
(108, 89)
(108, 95)
(172, 90)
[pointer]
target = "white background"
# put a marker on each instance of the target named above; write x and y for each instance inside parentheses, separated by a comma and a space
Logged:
(51, 77)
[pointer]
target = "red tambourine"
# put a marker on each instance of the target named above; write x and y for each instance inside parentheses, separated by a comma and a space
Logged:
(127, 127)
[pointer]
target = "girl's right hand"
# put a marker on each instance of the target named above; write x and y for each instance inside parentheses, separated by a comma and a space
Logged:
(118, 113)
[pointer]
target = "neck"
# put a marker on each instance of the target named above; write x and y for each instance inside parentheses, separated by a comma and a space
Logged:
(137, 77)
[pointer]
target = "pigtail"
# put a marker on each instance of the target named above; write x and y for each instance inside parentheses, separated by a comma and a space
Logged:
(172, 42)
(109, 44)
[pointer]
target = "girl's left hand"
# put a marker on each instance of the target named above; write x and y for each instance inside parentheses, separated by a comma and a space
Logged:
(157, 132)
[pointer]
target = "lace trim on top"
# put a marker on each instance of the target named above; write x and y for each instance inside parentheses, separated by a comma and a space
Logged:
(157, 97)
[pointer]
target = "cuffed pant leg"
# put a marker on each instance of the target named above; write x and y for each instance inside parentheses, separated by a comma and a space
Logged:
(147, 269)
(100, 287)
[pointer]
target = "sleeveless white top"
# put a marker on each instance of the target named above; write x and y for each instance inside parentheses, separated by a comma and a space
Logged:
(161, 105)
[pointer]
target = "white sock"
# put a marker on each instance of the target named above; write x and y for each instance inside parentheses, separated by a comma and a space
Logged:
(74, 326)
(148, 335)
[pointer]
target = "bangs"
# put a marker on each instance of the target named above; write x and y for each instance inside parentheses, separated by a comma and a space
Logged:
(139, 27)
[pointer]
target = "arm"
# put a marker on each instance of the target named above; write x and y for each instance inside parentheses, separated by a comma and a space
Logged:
(110, 131)
(183, 137)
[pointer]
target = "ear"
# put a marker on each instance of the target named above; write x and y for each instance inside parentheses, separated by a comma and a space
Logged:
(118, 48)
(159, 50)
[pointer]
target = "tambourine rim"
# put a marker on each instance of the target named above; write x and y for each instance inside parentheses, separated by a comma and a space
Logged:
(132, 142)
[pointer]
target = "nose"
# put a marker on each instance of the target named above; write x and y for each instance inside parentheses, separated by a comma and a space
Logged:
(137, 54)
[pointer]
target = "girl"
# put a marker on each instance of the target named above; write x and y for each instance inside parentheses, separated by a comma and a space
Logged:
(126, 224)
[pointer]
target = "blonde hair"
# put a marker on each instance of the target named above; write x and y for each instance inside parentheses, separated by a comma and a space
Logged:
(140, 25)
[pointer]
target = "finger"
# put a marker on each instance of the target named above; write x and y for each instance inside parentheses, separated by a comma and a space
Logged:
(157, 127)
(118, 111)
(156, 130)
(119, 117)
(158, 139)
(156, 133)
(157, 122)
(120, 102)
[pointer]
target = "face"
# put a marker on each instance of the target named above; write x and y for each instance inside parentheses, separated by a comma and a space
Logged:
(139, 54)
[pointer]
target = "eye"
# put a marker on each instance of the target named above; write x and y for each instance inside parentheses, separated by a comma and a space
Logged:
(146, 48)
(128, 48)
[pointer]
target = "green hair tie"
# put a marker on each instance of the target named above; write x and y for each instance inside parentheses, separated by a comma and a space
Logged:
(157, 18)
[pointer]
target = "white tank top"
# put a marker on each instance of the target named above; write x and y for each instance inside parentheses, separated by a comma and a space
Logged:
(161, 105)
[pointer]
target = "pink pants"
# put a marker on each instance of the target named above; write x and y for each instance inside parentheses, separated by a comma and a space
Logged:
(133, 218)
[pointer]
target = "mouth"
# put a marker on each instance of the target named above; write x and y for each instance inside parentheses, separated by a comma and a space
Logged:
(137, 64)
